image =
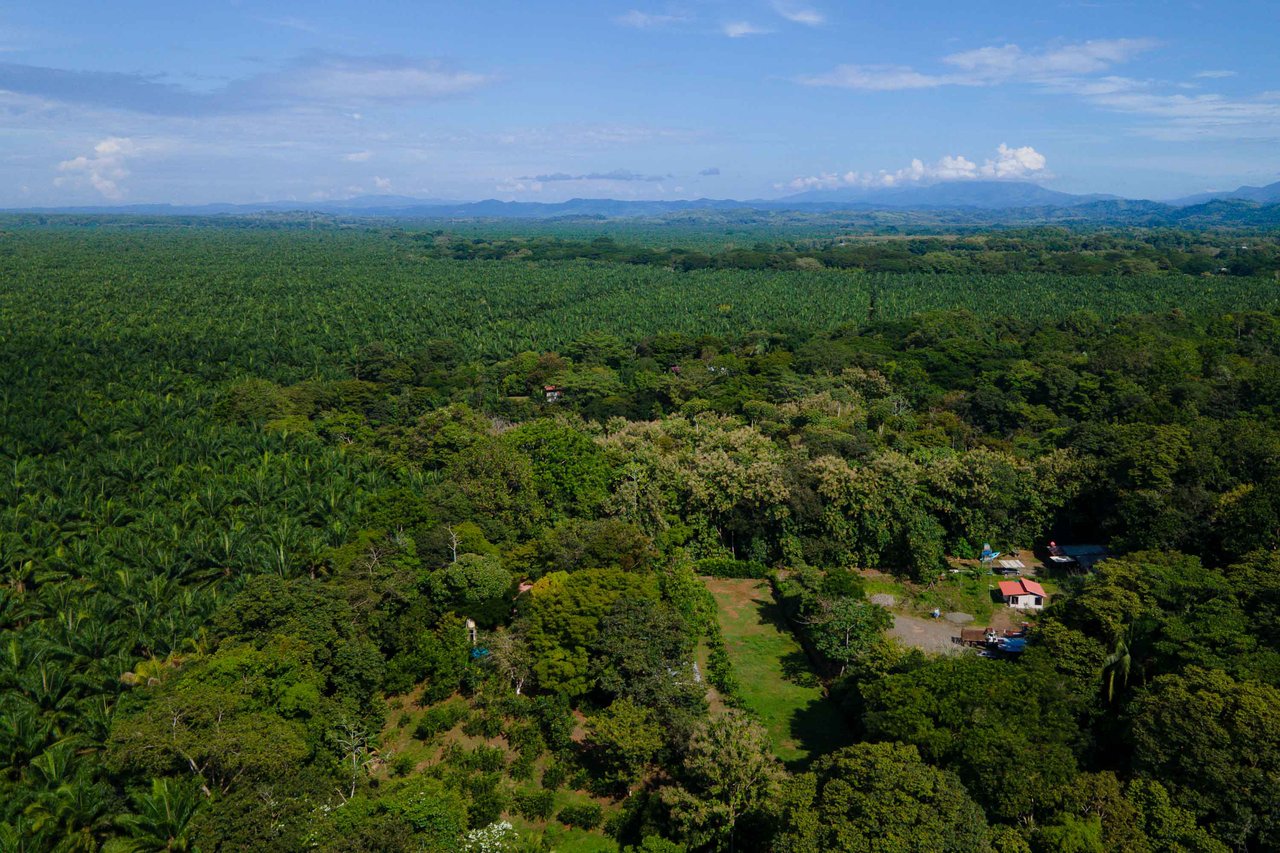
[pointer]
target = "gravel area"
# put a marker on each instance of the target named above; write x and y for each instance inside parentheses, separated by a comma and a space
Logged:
(929, 635)
(958, 618)
(884, 599)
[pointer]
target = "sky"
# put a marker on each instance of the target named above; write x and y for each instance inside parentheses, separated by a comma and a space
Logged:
(544, 100)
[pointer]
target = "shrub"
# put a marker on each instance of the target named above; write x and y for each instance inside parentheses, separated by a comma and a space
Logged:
(522, 768)
(487, 723)
(556, 720)
(439, 718)
(527, 740)
(536, 804)
(486, 759)
(719, 668)
(585, 816)
(553, 777)
(488, 801)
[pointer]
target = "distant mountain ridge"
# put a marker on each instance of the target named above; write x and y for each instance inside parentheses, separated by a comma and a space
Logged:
(991, 195)
(988, 201)
(1270, 194)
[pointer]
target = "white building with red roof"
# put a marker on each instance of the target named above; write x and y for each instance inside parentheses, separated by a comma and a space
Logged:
(1023, 594)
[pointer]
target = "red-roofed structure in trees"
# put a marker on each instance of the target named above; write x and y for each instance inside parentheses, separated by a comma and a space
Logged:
(1023, 594)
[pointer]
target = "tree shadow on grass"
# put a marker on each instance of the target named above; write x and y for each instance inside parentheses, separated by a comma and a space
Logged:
(797, 669)
(817, 729)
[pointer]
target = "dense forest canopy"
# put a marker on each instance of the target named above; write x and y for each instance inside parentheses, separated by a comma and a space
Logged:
(380, 539)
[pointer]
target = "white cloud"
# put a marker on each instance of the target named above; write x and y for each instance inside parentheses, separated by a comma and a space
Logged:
(1080, 70)
(382, 183)
(997, 64)
(875, 78)
(742, 29)
(345, 79)
(649, 21)
(104, 169)
(358, 156)
(1008, 164)
(989, 66)
(799, 13)
(614, 175)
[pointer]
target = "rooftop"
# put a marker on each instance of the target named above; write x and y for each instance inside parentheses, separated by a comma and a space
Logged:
(1021, 587)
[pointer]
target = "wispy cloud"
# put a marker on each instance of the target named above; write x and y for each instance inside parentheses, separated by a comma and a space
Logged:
(313, 79)
(650, 20)
(1007, 164)
(711, 172)
(625, 175)
(742, 29)
(1082, 70)
(1181, 117)
(877, 78)
(358, 156)
(988, 66)
(326, 77)
(290, 22)
(799, 13)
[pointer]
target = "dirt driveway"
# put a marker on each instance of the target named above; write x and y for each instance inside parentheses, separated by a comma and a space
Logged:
(928, 635)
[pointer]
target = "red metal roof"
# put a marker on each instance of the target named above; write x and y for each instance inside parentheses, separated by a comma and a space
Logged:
(1021, 587)
(1008, 588)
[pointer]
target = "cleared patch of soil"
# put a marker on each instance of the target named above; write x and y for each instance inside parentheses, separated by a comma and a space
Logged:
(930, 635)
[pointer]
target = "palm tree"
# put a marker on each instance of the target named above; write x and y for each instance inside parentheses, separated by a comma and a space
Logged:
(1127, 657)
(163, 816)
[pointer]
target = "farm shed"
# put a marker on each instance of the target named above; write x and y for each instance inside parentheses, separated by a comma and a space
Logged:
(1080, 557)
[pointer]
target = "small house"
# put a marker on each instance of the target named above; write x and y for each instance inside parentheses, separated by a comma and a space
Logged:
(1023, 594)
(552, 393)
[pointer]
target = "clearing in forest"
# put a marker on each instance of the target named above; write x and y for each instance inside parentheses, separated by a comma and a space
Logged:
(777, 683)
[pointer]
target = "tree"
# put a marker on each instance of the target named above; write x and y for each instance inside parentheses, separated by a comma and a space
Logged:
(234, 719)
(475, 585)
(729, 773)
(1006, 731)
(622, 741)
(1166, 826)
(881, 798)
(509, 653)
(563, 622)
(1215, 742)
(845, 629)
(645, 653)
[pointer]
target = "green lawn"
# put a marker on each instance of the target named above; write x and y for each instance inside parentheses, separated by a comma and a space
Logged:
(777, 683)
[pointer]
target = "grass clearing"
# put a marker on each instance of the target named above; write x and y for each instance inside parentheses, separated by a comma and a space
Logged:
(962, 592)
(777, 682)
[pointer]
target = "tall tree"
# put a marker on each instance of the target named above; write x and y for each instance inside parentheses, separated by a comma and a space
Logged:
(729, 773)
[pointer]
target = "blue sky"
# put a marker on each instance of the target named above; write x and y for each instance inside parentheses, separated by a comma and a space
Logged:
(247, 101)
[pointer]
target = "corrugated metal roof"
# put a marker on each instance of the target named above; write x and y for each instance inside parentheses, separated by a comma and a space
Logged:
(1008, 588)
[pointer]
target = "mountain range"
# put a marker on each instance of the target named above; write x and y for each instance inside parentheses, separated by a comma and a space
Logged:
(987, 198)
